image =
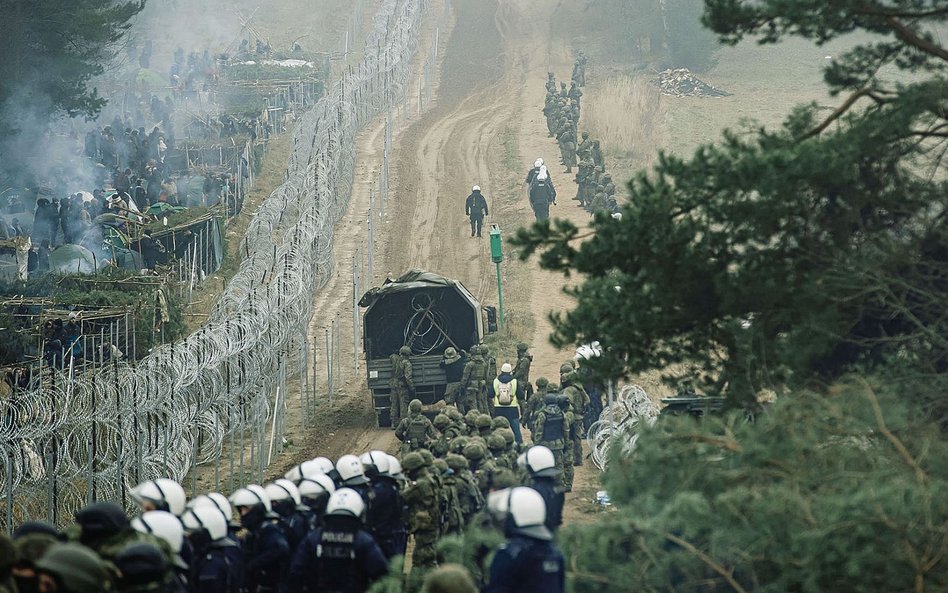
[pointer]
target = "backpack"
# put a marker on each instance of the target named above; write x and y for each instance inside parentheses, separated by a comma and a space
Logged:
(504, 391)
(418, 431)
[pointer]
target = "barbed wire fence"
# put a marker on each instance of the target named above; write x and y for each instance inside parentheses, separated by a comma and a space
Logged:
(80, 438)
(619, 423)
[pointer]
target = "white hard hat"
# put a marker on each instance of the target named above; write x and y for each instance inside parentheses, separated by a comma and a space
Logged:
(506, 368)
(379, 459)
(213, 500)
(162, 525)
(312, 487)
(250, 496)
(205, 517)
(538, 163)
(540, 462)
(542, 174)
(394, 467)
(283, 489)
(164, 493)
(585, 352)
(350, 470)
(476, 188)
(617, 215)
(345, 501)
(308, 469)
(528, 511)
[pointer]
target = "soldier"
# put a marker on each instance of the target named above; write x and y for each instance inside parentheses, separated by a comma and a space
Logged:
(481, 466)
(521, 370)
(484, 426)
(452, 520)
(584, 149)
(550, 82)
(453, 365)
(470, 422)
(71, 568)
(469, 496)
(607, 185)
(599, 202)
(421, 502)
(339, 556)
(579, 70)
(535, 402)
(564, 92)
(551, 429)
(403, 384)
(583, 174)
(567, 143)
(597, 155)
(497, 447)
(578, 400)
(472, 379)
(415, 431)
(439, 446)
(574, 92)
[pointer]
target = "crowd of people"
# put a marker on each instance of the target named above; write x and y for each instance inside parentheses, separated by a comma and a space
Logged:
(466, 504)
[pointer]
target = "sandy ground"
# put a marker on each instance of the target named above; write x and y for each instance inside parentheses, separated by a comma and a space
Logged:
(483, 126)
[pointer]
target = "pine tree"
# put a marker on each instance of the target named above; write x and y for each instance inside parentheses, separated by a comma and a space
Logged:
(780, 259)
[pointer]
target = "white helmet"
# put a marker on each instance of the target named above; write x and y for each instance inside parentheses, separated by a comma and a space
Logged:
(283, 489)
(522, 461)
(162, 525)
(538, 163)
(308, 469)
(165, 494)
(524, 510)
(345, 502)
(476, 188)
(350, 470)
(542, 173)
(540, 462)
(395, 467)
(506, 368)
(205, 517)
(585, 352)
(215, 500)
(250, 496)
(313, 487)
(379, 459)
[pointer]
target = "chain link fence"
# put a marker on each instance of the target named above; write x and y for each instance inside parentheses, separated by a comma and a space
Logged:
(79, 438)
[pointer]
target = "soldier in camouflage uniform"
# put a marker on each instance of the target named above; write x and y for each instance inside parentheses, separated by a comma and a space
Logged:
(470, 422)
(579, 401)
(567, 142)
(472, 380)
(403, 384)
(453, 516)
(584, 148)
(496, 447)
(439, 446)
(490, 371)
(599, 202)
(583, 177)
(510, 451)
(536, 402)
(481, 466)
(551, 429)
(485, 425)
(521, 371)
(597, 155)
(415, 431)
(424, 511)
(469, 496)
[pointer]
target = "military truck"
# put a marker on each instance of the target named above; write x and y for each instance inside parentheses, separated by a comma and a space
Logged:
(428, 313)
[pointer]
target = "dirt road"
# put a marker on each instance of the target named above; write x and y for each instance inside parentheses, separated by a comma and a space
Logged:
(485, 127)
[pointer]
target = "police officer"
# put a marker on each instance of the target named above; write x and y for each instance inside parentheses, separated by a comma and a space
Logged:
(416, 431)
(266, 551)
(452, 364)
(545, 479)
(217, 559)
(528, 562)
(288, 504)
(315, 492)
(475, 207)
(339, 557)
(162, 494)
(403, 384)
(542, 194)
(384, 518)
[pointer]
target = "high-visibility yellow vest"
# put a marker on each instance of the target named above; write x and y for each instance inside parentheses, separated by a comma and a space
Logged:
(513, 394)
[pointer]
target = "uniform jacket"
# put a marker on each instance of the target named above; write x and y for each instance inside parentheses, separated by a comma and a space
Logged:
(476, 205)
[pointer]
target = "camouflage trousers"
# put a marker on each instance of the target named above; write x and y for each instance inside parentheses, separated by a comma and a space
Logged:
(424, 554)
(452, 393)
(562, 460)
(400, 397)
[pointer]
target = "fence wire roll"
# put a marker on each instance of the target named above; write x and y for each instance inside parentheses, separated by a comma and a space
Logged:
(619, 424)
(91, 436)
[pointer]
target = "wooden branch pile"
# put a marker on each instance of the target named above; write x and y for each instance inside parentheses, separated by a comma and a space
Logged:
(680, 82)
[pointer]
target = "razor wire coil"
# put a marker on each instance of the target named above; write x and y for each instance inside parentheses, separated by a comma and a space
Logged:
(619, 423)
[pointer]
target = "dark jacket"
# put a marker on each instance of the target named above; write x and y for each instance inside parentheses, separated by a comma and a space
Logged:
(337, 558)
(525, 565)
(476, 205)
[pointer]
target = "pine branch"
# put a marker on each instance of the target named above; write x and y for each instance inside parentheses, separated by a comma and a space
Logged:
(908, 35)
(726, 574)
(896, 443)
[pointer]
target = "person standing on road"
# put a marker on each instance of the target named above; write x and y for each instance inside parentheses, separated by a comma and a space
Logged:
(542, 194)
(476, 208)
(403, 384)
(453, 365)
(507, 393)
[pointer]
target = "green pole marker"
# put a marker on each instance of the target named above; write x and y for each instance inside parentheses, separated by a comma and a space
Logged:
(497, 256)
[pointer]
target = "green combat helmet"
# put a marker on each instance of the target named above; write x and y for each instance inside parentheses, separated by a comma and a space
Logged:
(471, 418)
(499, 422)
(508, 436)
(426, 455)
(441, 422)
(404, 351)
(456, 462)
(503, 478)
(457, 445)
(474, 452)
(413, 462)
(542, 382)
(415, 406)
(496, 443)
(77, 567)
(483, 422)
(522, 347)
(441, 465)
(453, 413)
